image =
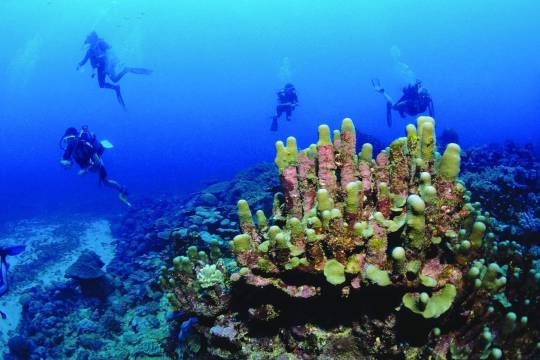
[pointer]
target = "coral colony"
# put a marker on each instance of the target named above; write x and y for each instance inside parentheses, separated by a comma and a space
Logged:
(363, 257)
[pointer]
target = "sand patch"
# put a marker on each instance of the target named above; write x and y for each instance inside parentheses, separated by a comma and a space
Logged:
(51, 247)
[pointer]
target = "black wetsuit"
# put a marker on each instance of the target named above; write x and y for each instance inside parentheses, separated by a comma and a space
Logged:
(287, 101)
(83, 150)
(414, 101)
(97, 54)
(100, 60)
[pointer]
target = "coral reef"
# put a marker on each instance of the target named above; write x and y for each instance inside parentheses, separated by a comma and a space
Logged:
(383, 258)
(363, 257)
(506, 180)
(125, 319)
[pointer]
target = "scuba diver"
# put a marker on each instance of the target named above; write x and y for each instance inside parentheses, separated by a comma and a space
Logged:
(83, 147)
(6, 251)
(415, 100)
(102, 60)
(287, 102)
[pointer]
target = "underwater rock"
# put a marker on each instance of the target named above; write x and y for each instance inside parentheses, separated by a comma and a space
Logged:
(90, 342)
(86, 271)
(20, 347)
(86, 326)
(208, 199)
(86, 267)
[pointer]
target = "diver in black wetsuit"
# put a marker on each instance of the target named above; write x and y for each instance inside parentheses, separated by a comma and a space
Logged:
(287, 102)
(415, 100)
(86, 150)
(102, 61)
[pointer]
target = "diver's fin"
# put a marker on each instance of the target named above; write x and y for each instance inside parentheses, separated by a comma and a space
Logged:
(274, 125)
(120, 98)
(12, 250)
(140, 71)
(123, 198)
(106, 144)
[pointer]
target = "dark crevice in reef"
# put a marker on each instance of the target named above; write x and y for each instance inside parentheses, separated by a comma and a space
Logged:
(373, 301)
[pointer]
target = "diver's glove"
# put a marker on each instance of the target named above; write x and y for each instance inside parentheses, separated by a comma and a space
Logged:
(66, 164)
(377, 85)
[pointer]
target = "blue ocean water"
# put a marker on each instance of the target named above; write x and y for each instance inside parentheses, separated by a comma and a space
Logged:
(204, 113)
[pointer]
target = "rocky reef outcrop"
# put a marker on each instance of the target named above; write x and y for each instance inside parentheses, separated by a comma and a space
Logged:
(505, 178)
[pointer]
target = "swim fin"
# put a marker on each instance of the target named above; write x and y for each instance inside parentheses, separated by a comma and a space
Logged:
(274, 125)
(123, 198)
(106, 144)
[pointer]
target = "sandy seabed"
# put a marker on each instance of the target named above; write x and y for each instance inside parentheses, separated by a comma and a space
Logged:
(51, 247)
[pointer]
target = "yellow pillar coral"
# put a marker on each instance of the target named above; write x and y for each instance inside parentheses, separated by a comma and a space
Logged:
(352, 202)
(416, 221)
(281, 241)
(412, 139)
(366, 154)
(399, 256)
(347, 125)
(291, 150)
(241, 243)
(324, 200)
(281, 156)
(295, 226)
(411, 131)
(261, 220)
(420, 122)
(244, 213)
(427, 146)
(429, 194)
(337, 136)
(324, 135)
(450, 162)
(477, 234)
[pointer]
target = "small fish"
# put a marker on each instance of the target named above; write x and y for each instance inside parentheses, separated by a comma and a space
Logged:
(3, 315)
